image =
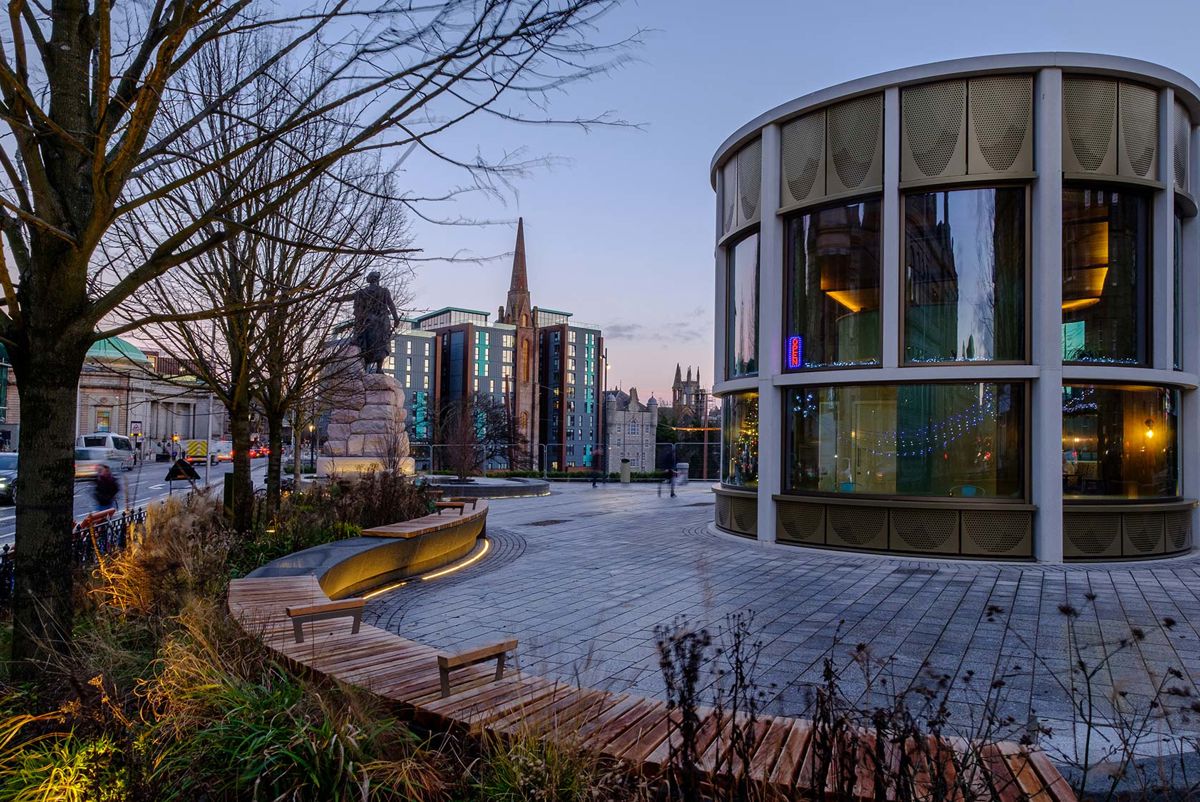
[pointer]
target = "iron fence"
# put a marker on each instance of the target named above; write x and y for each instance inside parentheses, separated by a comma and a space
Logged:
(91, 541)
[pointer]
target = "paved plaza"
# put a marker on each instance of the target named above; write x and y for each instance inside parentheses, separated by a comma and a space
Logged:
(582, 577)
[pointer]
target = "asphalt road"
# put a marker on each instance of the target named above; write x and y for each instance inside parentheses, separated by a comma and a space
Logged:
(144, 484)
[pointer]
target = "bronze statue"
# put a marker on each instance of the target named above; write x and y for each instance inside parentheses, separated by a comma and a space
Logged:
(371, 330)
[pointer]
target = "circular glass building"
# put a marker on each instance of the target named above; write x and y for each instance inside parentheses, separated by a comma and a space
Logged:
(959, 312)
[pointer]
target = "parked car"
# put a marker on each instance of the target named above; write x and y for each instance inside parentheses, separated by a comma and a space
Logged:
(87, 460)
(8, 477)
(120, 449)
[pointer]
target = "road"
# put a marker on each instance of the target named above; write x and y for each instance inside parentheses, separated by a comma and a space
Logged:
(140, 486)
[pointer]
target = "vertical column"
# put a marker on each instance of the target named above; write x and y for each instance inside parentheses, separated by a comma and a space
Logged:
(1162, 281)
(890, 280)
(770, 336)
(720, 311)
(1189, 292)
(1045, 290)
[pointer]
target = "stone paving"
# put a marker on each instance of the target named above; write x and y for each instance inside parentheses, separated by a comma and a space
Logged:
(582, 577)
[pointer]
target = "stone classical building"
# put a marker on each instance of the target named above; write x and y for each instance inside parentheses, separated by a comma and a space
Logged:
(120, 392)
(544, 368)
(632, 429)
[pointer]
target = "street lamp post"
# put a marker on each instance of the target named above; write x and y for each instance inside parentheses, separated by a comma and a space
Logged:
(312, 448)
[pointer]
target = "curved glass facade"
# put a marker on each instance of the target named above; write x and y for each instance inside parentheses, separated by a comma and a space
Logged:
(1106, 281)
(964, 264)
(741, 331)
(1120, 442)
(953, 440)
(832, 262)
(739, 440)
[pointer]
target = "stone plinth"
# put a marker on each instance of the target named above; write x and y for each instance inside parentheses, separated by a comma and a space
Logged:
(366, 428)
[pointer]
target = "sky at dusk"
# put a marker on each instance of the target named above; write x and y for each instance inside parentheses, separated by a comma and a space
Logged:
(619, 223)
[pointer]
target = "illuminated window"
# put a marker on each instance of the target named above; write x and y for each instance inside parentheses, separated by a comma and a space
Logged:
(832, 315)
(1120, 442)
(741, 329)
(952, 440)
(739, 440)
(1106, 285)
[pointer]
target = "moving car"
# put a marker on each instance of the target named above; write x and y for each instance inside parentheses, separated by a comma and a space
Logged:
(120, 449)
(8, 477)
(87, 460)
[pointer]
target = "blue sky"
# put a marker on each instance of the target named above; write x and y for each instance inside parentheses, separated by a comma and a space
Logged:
(619, 229)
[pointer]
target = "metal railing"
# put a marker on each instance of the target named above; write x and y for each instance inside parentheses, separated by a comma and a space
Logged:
(91, 541)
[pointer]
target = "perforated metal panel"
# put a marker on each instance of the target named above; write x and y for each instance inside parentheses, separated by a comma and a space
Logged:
(855, 151)
(802, 157)
(796, 522)
(729, 196)
(1089, 125)
(1142, 533)
(997, 534)
(1137, 146)
(1180, 141)
(723, 512)
(856, 527)
(1000, 138)
(928, 531)
(1178, 527)
(744, 512)
(933, 133)
(749, 168)
(1091, 534)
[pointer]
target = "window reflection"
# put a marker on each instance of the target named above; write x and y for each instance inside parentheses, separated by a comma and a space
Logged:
(1119, 442)
(742, 322)
(961, 440)
(1106, 253)
(739, 440)
(965, 275)
(833, 282)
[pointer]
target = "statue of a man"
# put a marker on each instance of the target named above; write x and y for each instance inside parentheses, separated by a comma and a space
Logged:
(371, 330)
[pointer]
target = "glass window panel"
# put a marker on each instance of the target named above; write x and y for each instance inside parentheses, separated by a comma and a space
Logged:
(965, 275)
(833, 287)
(1176, 280)
(1106, 286)
(741, 337)
(954, 440)
(1120, 442)
(739, 440)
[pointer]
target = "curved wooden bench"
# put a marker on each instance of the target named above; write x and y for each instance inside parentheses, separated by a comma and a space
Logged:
(458, 693)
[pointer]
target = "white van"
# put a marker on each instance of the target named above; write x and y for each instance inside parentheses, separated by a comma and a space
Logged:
(119, 447)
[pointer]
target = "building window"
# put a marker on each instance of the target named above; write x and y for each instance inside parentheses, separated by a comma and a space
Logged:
(104, 419)
(832, 316)
(1106, 284)
(1176, 283)
(739, 440)
(571, 337)
(1120, 442)
(633, 428)
(950, 440)
(741, 327)
(965, 275)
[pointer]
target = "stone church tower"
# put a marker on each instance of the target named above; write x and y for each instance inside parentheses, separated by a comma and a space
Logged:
(686, 396)
(518, 311)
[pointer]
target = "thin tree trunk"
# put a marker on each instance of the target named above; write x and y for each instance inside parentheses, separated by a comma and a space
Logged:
(43, 614)
(274, 460)
(243, 485)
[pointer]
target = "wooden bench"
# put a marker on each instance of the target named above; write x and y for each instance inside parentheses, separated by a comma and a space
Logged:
(346, 608)
(465, 500)
(452, 662)
(95, 518)
(450, 505)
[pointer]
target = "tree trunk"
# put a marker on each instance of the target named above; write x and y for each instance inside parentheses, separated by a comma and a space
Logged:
(274, 460)
(243, 485)
(296, 445)
(42, 610)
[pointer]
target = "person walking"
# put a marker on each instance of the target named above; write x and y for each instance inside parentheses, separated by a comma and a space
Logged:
(106, 489)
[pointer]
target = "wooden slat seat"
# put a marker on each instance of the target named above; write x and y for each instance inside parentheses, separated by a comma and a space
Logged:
(450, 505)
(462, 692)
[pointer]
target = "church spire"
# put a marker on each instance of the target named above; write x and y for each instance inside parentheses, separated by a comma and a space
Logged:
(520, 281)
(678, 376)
(518, 310)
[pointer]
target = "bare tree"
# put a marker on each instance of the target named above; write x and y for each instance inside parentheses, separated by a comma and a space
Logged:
(83, 87)
(473, 430)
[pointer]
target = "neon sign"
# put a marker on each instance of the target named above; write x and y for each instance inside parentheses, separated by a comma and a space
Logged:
(795, 352)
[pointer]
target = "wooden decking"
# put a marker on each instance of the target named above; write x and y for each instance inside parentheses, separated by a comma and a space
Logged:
(623, 727)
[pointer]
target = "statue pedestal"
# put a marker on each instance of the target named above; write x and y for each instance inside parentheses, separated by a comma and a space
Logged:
(366, 428)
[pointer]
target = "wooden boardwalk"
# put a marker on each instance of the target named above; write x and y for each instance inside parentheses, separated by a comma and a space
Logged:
(627, 728)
